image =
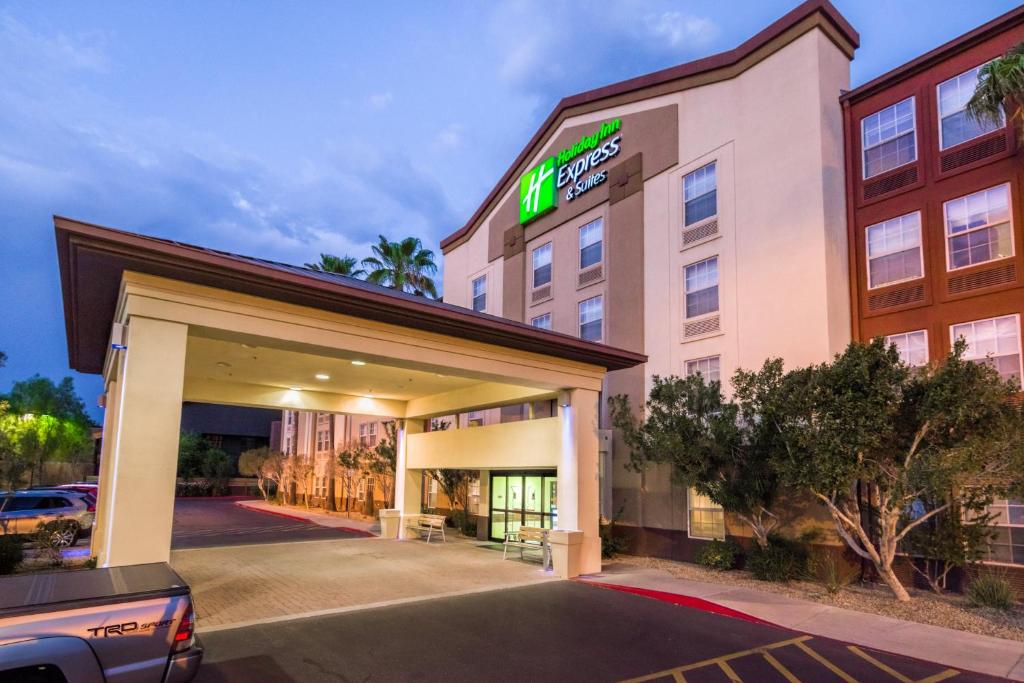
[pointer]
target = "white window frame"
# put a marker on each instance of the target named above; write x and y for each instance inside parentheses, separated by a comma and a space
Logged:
(939, 117)
(689, 508)
(1016, 321)
(864, 148)
(549, 246)
(472, 293)
(535, 319)
(947, 236)
(718, 284)
(927, 355)
(579, 244)
(1004, 503)
(579, 318)
(361, 489)
(693, 173)
(718, 357)
(920, 250)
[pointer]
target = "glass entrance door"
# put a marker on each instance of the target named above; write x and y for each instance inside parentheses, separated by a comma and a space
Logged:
(522, 498)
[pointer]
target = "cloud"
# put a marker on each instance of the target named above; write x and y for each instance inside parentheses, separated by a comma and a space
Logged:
(679, 29)
(380, 100)
(449, 137)
(77, 52)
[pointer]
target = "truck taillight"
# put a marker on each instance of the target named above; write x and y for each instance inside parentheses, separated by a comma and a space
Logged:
(91, 507)
(187, 626)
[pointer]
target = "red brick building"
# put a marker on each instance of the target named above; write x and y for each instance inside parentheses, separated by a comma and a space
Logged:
(936, 229)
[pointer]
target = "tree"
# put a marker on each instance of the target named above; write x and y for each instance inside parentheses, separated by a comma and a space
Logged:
(250, 464)
(340, 265)
(385, 460)
(302, 472)
(192, 450)
(721, 448)
(273, 469)
(404, 265)
(45, 438)
(1000, 90)
(351, 461)
(40, 396)
(954, 539)
(940, 433)
(455, 484)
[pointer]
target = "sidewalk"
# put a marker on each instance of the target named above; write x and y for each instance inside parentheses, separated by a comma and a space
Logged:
(957, 649)
(336, 520)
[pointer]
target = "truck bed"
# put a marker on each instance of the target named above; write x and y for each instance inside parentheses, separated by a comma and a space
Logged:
(49, 591)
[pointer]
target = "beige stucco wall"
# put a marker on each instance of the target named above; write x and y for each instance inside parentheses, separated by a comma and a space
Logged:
(512, 445)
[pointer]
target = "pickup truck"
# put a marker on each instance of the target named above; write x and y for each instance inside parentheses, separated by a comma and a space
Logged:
(118, 624)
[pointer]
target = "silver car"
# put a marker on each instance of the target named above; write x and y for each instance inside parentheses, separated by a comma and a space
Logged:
(21, 512)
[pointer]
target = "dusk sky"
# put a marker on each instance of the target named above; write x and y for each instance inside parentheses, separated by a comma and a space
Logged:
(283, 130)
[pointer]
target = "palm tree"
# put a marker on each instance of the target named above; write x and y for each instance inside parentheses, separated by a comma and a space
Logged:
(341, 265)
(1001, 88)
(404, 265)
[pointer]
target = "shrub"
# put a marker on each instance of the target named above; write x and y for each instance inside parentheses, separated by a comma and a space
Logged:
(830, 572)
(783, 560)
(991, 590)
(52, 537)
(611, 545)
(193, 489)
(11, 553)
(718, 555)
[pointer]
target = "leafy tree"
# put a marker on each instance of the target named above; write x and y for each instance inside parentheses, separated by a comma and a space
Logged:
(957, 538)
(45, 438)
(385, 460)
(272, 469)
(40, 396)
(455, 484)
(723, 449)
(404, 265)
(934, 434)
(250, 464)
(1001, 89)
(340, 265)
(302, 472)
(192, 449)
(350, 462)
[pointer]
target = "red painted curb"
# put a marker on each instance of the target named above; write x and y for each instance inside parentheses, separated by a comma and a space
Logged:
(233, 497)
(306, 520)
(686, 601)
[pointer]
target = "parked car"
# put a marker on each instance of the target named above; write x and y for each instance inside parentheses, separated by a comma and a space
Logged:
(128, 624)
(21, 512)
(86, 487)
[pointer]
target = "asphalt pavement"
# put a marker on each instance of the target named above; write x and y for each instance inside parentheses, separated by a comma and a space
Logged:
(560, 631)
(209, 522)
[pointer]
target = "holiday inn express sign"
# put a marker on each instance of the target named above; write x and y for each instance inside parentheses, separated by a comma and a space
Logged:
(539, 188)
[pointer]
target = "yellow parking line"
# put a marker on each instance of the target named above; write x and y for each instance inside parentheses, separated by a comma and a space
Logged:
(727, 670)
(678, 677)
(786, 673)
(884, 667)
(827, 664)
(721, 658)
(941, 676)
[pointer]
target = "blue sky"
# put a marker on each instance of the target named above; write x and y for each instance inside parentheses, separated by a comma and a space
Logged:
(285, 129)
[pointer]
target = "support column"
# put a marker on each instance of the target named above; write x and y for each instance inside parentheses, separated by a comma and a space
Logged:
(112, 399)
(483, 512)
(578, 480)
(144, 455)
(408, 482)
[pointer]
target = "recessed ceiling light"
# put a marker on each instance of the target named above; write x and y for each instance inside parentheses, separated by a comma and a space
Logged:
(294, 388)
(359, 362)
(322, 376)
(222, 364)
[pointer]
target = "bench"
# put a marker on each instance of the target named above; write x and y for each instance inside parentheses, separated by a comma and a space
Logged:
(528, 538)
(427, 525)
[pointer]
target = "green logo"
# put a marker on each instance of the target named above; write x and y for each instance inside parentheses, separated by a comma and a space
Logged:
(538, 193)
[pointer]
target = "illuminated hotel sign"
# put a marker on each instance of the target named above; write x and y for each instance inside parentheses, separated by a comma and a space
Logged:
(539, 188)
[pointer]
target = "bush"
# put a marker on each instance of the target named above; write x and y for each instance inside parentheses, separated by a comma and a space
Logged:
(783, 560)
(11, 553)
(991, 590)
(830, 572)
(611, 545)
(52, 537)
(193, 489)
(718, 555)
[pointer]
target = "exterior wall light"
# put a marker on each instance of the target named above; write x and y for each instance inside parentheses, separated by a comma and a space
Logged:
(294, 388)
(359, 362)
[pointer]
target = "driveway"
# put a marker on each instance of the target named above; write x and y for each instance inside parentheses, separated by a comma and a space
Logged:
(208, 522)
(558, 631)
(242, 585)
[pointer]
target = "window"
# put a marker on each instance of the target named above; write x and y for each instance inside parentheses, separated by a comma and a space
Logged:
(432, 493)
(361, 490)
(701, 287)
(591, 316)
(888, 138)
(542, 321)
(591, 243)
(700, 195)
(480, 293)
(364, 439)
(955, 126)
(706, 518)
(995, 341)
(709, 368)
(912, 347)
(894, 250)
(372, 431)
(541, 265)
(1008, 523)
(978, 227)
(475, 418)
(323, 439)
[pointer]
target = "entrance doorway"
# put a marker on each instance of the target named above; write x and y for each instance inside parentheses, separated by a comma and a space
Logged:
(527, 498)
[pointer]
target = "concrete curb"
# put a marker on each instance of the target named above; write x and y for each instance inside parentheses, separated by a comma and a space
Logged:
(685, 601)
(307, 520)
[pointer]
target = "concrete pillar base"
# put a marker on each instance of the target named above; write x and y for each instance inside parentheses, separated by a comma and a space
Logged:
(566, 552)
(390, 523)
